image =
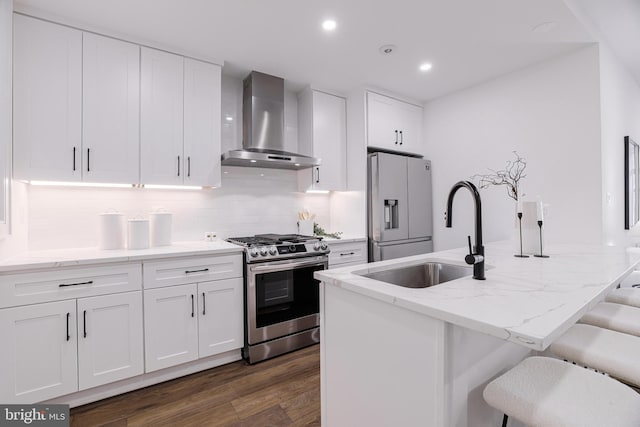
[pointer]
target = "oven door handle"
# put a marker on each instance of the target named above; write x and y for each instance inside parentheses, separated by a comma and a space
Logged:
(285, 266)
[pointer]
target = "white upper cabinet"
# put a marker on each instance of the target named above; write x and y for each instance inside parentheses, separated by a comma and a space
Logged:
(47, 101)
(180, 120)
(110, 110)
(161, 132)
(322, 131)
(202, 100)
(393, 124)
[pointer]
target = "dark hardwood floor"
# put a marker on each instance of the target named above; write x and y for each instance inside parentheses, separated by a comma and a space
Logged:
(284, 391)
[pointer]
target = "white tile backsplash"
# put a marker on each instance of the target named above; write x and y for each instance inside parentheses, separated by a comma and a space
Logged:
(250, 201)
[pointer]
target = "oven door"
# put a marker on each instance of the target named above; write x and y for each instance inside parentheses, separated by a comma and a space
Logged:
(282, 297)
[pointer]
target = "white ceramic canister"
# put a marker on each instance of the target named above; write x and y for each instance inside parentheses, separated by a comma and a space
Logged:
(138, 233)
(160, 228)
(111, 230)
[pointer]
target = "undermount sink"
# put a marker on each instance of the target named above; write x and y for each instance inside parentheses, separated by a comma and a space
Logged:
(421, 275)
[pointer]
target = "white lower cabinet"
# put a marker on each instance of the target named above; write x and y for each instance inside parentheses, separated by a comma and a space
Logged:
(220, 316)
(39, 352)
(187, 322)
(347, 253)
(109, 338)
(170, 326)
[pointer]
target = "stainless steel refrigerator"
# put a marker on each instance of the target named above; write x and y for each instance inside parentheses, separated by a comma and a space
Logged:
(400, 219)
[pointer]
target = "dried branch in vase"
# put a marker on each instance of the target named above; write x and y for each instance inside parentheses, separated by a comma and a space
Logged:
(510, 177)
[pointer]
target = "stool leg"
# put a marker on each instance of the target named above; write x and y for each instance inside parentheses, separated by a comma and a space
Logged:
(505, 419)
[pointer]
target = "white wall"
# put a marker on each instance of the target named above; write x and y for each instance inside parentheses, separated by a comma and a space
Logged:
(549, 113)
(246, 204)
(620, 104)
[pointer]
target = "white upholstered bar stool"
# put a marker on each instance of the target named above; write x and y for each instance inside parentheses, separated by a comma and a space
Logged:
(602, 349)
(617, 317)
(541, 391)
(626, 296)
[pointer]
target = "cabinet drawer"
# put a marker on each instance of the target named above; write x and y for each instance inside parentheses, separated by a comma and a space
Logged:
(67, 283)
(352, 253)
(158, 274)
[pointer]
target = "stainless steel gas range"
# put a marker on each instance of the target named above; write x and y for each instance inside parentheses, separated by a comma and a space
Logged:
(282, 298)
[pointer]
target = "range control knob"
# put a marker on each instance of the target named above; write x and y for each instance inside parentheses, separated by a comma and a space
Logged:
(316, 246)
(323, 246)
(253, 252)
(263, 251)
(292, 248)
(273, 250)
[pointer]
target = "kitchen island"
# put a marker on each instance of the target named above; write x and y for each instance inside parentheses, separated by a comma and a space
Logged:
(392, 355)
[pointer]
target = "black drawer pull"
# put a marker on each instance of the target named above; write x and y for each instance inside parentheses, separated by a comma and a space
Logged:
(64, 285)
(347, 253)
(204, 304)
(193, 308)
(84, 322)
(68, 336)
(196, 271)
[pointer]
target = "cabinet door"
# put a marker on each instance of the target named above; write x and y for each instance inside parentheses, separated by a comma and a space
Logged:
(161, 118)
(110, 110)
(330, 141)
(47, 86)
(39, 352)
(202, 123)
(383, 129)
(109, 338)
(410, 119)
(171, 326)
(220, 326)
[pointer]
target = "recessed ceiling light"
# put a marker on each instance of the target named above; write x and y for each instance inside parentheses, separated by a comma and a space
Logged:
(425, 66)
(329, 25)
(229, 118)
(253, 161)
(387, 49)
(544, 27)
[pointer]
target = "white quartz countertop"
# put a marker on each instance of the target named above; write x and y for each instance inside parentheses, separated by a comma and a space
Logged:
(529, 301)
(84, 256)
(344, 239)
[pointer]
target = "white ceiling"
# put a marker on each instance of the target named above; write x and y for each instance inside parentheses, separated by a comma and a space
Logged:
(467, 41)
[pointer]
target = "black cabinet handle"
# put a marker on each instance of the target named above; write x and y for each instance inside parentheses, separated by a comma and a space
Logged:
(68, 336)
(63, 285)
(88, 159)
(189, 166)
(178, 165)
(193, 308)
(347, 253)
(74, 159)
(317, 175)
(396, 136)
(196, 271)
(84, 323)
(204, 304)
(401, 138)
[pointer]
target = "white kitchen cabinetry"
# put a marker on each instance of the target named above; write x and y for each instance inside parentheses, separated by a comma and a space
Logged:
(347, 253)
(47, 101)
(171, 326)
(110, 110)
(202, 105)
(47, 352)
(323, 134)
(393, 124)
(110, 343)
(189, 317)
(39, 355)
(180, 120)
(76, 104)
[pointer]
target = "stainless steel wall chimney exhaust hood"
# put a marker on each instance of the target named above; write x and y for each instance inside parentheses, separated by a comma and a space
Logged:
(263, 127)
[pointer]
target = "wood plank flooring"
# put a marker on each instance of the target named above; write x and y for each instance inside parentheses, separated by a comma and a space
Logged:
(284, 391)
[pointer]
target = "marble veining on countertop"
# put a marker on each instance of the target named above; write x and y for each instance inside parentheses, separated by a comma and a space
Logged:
(530, 301)
(85, 256)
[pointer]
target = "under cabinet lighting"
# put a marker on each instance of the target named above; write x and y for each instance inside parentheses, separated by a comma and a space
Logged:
(317, 191)
(80, 184)
(172, 187)
(329, 25)
(424, 67)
